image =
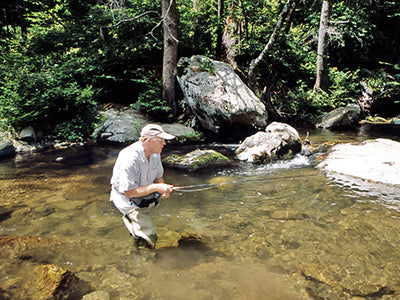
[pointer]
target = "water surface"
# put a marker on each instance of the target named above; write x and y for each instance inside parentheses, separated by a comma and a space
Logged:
(285, 231)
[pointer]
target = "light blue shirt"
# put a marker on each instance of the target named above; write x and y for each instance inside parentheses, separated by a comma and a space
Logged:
(131, 170)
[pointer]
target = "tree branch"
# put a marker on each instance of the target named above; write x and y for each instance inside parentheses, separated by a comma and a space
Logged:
(131, 19)
(255, 62)
(164, 18)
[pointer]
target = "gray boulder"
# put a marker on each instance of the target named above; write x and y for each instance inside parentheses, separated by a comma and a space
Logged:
(124, 126)
(375, 160)
(278, 141)
(7, 149)
(28, 135)
(181, 132)
(217, 96)
(120, 126)
(346, 116)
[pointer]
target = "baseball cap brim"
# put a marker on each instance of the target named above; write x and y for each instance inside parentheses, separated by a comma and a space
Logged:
(166, 136)
(156, 130)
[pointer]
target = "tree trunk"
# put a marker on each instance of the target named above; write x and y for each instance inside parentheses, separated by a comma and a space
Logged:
(220, 28)
(232, 34)
(322, 80)
(170, 55)
(255, 62)
(273, 114)
(396, 44)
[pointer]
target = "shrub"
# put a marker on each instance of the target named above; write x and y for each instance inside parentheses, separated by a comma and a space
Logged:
(150, 100)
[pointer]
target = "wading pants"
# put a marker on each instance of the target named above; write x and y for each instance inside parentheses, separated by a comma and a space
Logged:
(140, 225)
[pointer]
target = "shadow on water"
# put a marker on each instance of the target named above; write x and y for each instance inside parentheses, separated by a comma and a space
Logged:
(278, 231)
(190, 252)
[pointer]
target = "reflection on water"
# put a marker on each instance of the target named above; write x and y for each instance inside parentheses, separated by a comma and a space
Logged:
(286, 231)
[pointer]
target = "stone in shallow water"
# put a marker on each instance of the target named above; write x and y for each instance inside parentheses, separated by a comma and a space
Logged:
(318, 273)
(54, 282)
(288, 215)
(197, 159)
(98, 295)
(377, 160)
(172, 239)
(5, 213)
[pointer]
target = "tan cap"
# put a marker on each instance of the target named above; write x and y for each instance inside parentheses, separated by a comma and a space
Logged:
(155, 130)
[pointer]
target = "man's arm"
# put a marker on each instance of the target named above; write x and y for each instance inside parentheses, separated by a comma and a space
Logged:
(158, 186)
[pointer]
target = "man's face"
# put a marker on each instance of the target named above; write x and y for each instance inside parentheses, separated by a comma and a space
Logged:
(156, 144)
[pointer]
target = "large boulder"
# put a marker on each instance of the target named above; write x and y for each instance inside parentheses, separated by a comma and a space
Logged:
(278, 141)
(217, 96)
(374, 160)
(7, 149)
(28, 135)
(124, 126)
(341, 117)
(120, 126)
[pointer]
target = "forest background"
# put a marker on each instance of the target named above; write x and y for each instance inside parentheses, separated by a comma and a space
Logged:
(63, 60)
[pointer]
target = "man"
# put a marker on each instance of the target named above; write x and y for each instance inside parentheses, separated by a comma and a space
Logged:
(137, 182)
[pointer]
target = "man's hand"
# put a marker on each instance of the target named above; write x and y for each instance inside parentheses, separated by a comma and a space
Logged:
(141, 191)
(165, 189)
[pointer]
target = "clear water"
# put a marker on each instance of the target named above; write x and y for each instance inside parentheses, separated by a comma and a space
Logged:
(286, 231)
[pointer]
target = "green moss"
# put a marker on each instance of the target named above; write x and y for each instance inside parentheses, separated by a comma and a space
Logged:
(206, 65)
(173, 159)
(288, 155)
(197, 159)
(208, 158)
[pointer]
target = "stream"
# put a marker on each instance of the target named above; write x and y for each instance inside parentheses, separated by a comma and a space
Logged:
(285, 231)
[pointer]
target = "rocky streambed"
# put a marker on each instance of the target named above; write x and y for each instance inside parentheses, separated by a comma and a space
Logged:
(285, 230)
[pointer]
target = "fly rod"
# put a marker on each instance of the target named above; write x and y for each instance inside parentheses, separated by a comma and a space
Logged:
(206, 186)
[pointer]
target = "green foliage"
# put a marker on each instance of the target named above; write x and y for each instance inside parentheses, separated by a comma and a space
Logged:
(386, 80)
(54, 77)
(76, 129)
(74, 55)
(206, 65)
(196, 136)
(197, 27)
(376, 119)
(306, 102)
(45, 100)
(344, 87)
(150, 100)
(45, 91)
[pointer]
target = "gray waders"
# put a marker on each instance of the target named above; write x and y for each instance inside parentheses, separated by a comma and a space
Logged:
(140, 225)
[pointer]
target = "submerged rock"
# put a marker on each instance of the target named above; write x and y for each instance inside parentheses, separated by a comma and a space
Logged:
(288, 215)
(54, 282)
(318, 273)
(173, 239)
(16, 246)
(97, 295)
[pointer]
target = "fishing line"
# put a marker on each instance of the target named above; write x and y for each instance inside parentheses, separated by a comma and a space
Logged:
(207, 186)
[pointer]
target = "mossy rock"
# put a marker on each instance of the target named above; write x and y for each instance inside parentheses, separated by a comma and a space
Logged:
(197, 159)
(54, 282)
